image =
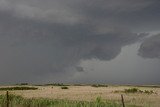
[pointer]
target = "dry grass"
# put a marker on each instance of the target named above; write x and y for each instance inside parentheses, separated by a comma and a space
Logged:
(88, 93)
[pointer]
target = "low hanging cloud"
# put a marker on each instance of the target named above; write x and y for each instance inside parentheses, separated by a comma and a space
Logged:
(53, 36)
(150, 48)
(61, 45)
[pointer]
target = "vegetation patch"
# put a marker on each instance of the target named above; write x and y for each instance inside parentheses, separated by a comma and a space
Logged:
(133, 90)
(18, 101)
(22, 84)
(18, 88)
(136, 90)
(54, 84)
(99, 85)
(149, 86)
(64, 87)
(149, 92)
(79, 85)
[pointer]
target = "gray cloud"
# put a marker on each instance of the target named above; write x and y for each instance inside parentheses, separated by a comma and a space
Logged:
(53, 11)
(80, 69)
(52, 36)
(150, 48)
(82, 11)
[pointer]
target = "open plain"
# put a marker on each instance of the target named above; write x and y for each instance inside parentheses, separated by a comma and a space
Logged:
(90, 93)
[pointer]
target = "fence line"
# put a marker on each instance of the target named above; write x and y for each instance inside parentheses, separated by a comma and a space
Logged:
(7, 99)
(122, 100)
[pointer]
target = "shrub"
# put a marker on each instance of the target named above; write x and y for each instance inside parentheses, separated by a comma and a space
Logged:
(136, 90)
(99, 85)
(55, 84)
(78, 85)
(148, 92)
(23, 83)
(64, 87)
(131, 90)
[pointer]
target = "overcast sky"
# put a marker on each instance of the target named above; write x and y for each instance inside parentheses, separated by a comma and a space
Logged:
(80, 41)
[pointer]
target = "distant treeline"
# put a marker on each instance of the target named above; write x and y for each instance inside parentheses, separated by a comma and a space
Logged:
(22, 84)
(61, 84)
(99, 85)
(18, 88)
(54, 84)
(149, 86)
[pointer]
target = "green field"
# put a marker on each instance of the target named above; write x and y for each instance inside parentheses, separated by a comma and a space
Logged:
(19, 101)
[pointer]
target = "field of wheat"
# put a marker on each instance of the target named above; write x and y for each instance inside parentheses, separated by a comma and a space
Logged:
(91, 93)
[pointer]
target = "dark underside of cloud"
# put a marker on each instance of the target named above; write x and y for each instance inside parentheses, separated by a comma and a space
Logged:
(38, 47)
(150, 48)
(40, 37)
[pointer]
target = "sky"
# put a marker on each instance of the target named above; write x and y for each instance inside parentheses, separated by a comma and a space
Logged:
(80, 41)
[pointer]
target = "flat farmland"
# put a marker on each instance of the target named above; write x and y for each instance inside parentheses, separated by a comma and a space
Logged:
(90, 93)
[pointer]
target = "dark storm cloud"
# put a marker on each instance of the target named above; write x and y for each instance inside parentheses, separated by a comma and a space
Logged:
(52, 36)
(80, 69)
(150, 48)
(58, 45)
(80, 11)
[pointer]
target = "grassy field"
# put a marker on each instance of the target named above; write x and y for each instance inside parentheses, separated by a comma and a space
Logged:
(85, 96)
